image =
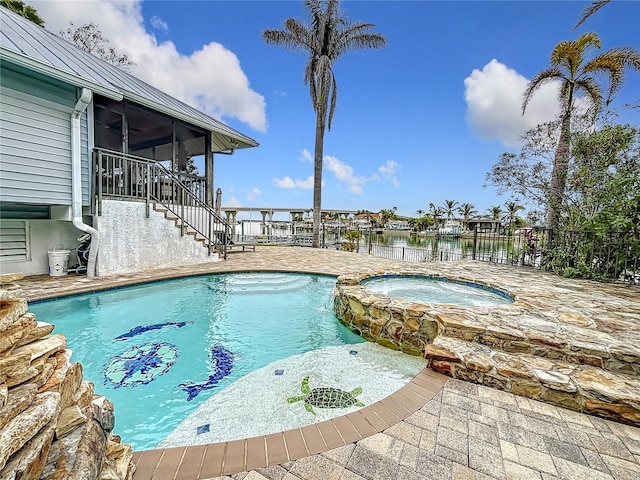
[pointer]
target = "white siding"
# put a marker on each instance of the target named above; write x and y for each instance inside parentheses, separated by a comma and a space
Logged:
(35, 140)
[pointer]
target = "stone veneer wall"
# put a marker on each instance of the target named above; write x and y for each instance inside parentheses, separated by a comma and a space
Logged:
(52, 425)
(503, 347)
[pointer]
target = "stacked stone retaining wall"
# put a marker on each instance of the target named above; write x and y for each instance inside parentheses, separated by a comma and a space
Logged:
(526, 348)
(52, 424)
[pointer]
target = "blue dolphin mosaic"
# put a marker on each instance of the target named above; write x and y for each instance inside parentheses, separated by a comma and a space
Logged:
(222, 359)
(145, 328)
(140, 364)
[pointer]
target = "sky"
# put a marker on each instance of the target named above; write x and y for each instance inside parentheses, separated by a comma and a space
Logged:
(417, 122)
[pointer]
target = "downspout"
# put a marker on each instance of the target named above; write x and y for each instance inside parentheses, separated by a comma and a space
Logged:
(76, 180)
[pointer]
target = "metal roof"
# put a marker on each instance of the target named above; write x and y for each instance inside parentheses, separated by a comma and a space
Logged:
(26, 44)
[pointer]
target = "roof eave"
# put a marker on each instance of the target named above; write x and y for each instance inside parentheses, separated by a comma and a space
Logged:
(50, 71)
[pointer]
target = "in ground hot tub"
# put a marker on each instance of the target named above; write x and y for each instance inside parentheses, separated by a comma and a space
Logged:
(407, 310)
(441, 290)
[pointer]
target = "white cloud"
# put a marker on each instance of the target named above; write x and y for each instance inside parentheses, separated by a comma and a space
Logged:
(388, 172)
(305, 156)
(285, 182)
(233, 203)
(253, 194)
(344, 174)
(288, 182)
(494, 103)
(210, 79)
(159, 24)
(306, 184)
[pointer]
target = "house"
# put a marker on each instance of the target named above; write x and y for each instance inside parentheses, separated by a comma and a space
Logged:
(88, 149)
(484, 224)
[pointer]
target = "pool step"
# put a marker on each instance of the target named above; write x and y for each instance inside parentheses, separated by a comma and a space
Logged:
(579, 387)
(268, 282)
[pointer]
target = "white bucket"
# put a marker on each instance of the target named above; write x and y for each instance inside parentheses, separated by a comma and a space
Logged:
(58, 263)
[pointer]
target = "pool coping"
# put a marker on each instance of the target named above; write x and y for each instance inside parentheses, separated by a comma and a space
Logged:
(226, 458)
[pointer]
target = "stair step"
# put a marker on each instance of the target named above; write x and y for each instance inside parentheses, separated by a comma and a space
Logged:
(579, 387)
(178, 222)
(542, 337)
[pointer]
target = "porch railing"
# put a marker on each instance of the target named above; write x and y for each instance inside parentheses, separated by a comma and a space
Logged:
(118, 175)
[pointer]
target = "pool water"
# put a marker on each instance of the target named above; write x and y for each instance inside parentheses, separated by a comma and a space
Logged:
(425, 289)
(160, 350)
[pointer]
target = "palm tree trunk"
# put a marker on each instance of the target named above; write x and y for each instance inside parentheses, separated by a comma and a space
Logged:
(317, 178)
(559, 172)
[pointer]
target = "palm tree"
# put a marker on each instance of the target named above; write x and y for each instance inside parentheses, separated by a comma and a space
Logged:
(577, 76)
(436, 213)
(512, 210)
(23, 9)
(327, 36)
(466, 210)
(495, 212)
(420, 213)
(449, 208)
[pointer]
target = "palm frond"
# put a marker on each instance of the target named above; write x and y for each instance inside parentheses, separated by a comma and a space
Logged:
(542, 78)
(592, 8)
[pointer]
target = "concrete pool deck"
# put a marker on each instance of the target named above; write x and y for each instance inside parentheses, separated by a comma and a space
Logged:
(435, 427)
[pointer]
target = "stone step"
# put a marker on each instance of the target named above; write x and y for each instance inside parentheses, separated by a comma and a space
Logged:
(579, 387)
(572, 340)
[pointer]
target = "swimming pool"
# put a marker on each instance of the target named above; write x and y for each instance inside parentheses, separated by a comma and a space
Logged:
(161, 350)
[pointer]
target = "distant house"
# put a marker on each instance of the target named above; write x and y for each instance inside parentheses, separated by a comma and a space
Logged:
(484, 224)
(88, 148)
(397, 226)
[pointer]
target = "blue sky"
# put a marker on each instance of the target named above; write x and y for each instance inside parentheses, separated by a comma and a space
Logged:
(419, 121)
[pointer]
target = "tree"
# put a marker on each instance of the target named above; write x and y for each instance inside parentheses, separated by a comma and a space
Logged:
(89, 38)
(388, 214)
(604, 181)
(495, 212)
(600, 237)
(21, 8)
(512, 211)
(436, 213)
(466, 210)
(326, 37)
(449, 208)
(577, 76)
(420, 212)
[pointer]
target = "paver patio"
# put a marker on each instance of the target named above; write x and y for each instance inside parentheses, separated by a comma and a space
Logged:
(465, 431)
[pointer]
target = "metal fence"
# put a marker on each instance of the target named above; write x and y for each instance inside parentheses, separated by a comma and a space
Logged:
(610, 256)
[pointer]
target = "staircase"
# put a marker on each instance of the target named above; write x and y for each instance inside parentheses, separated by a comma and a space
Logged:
(119, 175)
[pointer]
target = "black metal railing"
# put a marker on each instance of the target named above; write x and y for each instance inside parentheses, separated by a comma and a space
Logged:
(603, 256)
(119, 175)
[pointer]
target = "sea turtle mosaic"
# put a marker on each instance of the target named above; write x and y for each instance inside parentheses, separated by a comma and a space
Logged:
(140, 364)
(326, 397)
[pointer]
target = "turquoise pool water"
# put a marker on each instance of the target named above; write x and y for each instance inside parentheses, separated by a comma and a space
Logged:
(425, 289)
(159, 350)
